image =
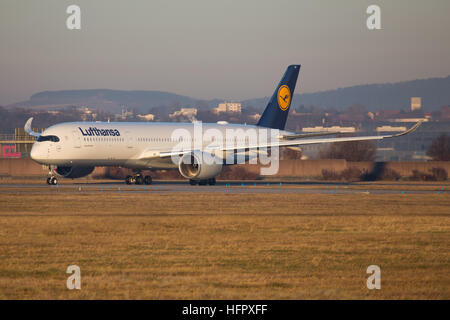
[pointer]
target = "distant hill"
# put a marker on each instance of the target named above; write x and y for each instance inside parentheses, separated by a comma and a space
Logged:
(435, 92)
(107, 100)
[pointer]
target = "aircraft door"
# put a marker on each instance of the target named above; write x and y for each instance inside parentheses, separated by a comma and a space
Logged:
(76, 139)
(129, 139)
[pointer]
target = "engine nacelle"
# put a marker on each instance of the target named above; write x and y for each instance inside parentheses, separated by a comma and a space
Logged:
(194, 166)
(74, 172)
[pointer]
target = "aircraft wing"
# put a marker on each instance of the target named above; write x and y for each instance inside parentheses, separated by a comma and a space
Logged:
(278, 143)
(307, 135)
(298, 142)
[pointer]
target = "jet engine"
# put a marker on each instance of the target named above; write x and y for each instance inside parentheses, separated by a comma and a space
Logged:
(74, 172)
(195, 166)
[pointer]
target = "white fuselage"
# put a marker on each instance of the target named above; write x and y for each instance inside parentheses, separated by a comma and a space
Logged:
(126, 144)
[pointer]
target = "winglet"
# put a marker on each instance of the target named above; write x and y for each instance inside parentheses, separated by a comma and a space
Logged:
(412, 129)
(28, 129)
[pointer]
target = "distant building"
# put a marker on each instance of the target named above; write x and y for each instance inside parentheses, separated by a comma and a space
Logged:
(409, 117)
(17, 145)
(416, 103)
(186, 112)
(420, 156)
(329, 129)
(125, 114)
(390, 129)
(387, 114)
(146, 117)
(86, 114)
(228, 107)
(255, 116)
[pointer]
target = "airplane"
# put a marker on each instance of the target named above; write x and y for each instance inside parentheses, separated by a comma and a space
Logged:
(74, 149)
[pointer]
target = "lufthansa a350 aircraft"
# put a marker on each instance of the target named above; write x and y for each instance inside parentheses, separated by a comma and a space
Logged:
(74, 149)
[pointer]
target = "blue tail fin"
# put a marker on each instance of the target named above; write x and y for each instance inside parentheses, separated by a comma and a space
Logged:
(276, 112)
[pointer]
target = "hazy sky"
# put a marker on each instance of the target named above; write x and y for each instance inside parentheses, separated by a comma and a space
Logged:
(217, 49)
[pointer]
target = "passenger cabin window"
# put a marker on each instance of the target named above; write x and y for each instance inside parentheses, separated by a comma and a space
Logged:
(48, 138)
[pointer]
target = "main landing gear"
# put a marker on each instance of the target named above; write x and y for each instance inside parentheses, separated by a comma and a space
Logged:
(211, 182)
(138, 179)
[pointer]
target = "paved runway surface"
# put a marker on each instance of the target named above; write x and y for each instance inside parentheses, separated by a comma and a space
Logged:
(236, 187)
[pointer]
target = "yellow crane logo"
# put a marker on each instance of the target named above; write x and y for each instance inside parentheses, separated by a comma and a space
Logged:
(284, 97)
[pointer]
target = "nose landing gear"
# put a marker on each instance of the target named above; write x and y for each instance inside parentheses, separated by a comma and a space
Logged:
(52, 180)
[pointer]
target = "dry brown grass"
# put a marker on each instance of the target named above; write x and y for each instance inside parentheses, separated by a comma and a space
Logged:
(223, 246)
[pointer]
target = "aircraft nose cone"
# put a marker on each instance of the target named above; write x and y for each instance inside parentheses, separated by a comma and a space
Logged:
(35, 154)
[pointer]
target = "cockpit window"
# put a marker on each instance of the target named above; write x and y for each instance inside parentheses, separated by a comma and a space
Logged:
(48, 138)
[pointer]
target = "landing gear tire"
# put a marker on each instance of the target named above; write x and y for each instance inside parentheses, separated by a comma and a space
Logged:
(52, 181)
(212, 181)
(129, 180)
(203, 182)
(148, 180)
(192, 182)
(139, 179)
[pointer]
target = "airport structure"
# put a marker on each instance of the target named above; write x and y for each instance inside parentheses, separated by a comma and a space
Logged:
(228, 107)
(17, 145)
(185, 112)
(416, 103)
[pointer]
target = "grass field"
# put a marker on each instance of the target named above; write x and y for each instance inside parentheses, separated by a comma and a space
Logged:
(151, 245)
